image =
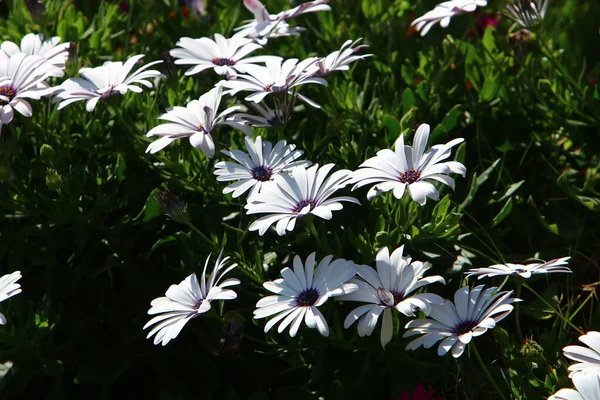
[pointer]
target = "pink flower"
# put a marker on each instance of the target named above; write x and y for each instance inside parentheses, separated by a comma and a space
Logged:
(420, 393)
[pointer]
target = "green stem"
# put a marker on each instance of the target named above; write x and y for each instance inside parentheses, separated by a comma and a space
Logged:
(201, 234)
(487, 372)
(568, 322)
(313, 231)
(518, 310)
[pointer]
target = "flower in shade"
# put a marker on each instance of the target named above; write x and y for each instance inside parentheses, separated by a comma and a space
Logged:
(301, 292)
(196, 121)
(188, 300)
(389, 287)
(277, 77)
(587, 384)
(302, 192)
(339, 59)
(259, 167)
(225, 56)
(111, 78)
(266, 26)
(34, 45)
(8, 288)
(473, 312)
(443, 12)
(524, 271)
(420, 393)
(588, 358)
(527, 13)
(268, 117)
(410, 169)
(21, 77)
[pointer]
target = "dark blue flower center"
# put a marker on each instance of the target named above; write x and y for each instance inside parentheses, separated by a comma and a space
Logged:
(262, 173)
(410, 176)
(465, 326)
(8, 92)
(307, 298)
(302, 204)
(223, 61)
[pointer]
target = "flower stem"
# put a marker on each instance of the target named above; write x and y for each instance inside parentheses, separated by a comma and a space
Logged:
(518, 310)
(313, 231)
(487, 372)
(201, 234)
(559, 314)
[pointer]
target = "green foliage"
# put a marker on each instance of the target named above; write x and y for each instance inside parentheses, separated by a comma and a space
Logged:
(79, 216)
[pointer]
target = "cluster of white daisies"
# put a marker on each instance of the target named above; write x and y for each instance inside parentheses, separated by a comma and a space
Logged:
(283, 188)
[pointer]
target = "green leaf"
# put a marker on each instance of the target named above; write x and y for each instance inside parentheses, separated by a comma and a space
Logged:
(490, 89)
(409, 100)
(503, 213)
(151, 208)
(486, 174)
(393, 127)
(552, 228)
(510, 190)
(120, 167)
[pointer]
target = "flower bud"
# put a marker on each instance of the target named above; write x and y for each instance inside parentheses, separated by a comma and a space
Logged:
(73, 64)
(53, 179)
(47, 154)
(532, 351)
(172, 206)
(168, 66)
(35, 7)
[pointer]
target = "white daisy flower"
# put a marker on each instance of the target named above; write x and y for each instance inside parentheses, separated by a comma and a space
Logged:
(277, 77)
(339, 59)
(527, 13)
(9, 288)
(259, 167)
(587, 384)
(21, 77)
(389, 288)
(56, 54)
(196, 121)
(302, 290)
(473, 312)
(443, 12)
(225, 56)
(268, 118)
(587, 358)
(525, 271)
(302, 192)
(188, 300)
(410, 168)
(266, 26)
(113, 77)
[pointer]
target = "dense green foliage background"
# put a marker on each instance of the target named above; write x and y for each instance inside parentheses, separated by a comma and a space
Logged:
(81, 223)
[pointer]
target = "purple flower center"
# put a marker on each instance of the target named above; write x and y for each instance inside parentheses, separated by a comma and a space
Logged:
(465, 326)
(303, 204)
(8, 92)
(262, 173)
(198, 304)
(223, 61)
(410, 176)
(307, 298)
(389, 298)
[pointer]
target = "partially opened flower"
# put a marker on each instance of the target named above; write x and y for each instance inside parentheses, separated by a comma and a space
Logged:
(278, 77)
(443, 12)
(196, 121)
(268, 118)
(113, 77)
(225, 56)
(587, 384)
(339, 59)
(21, 77)
(524, 271)
(389, 287)
(259, 167)
(302, 192)
(588, 358)
(9, 288)
(266, 26)
(527, 13)
(188, 300)
(33, 44)
(473, 312)
(302, 290)
(410, 169)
